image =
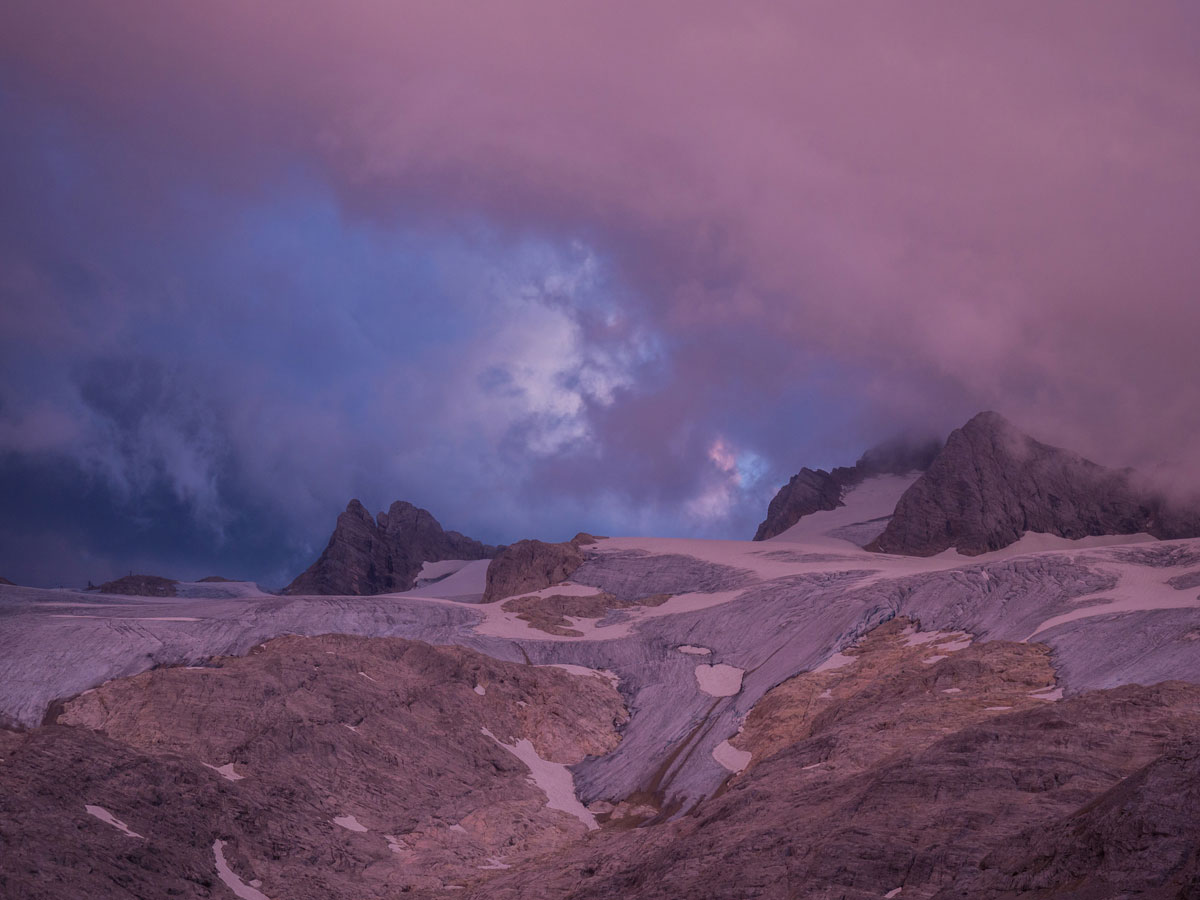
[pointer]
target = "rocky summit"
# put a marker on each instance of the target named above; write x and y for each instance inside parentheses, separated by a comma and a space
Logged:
(383, 554)
(991, 484)
(1003, 705)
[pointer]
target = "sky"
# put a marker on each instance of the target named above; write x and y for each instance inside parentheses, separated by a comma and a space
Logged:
(543, 267)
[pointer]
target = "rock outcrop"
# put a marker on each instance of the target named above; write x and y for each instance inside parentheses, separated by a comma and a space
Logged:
(327, 767)
(991, 484)
(140, 586)
(813, 490)
(384, 554)
(4, 580)
(530, 566)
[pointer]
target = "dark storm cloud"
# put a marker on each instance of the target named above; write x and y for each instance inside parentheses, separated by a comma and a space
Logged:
(598, 265)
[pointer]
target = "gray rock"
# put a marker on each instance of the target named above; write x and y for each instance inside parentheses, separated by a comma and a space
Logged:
(991, 484)
(140, 586)
(1137, 839)
(383, 555)
(530, 566)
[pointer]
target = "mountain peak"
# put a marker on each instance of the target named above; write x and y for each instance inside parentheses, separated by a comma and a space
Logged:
(384, 553)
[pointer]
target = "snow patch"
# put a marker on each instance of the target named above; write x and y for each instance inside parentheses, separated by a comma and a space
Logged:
(694, 651)
(480, 690)
(719, 680)
(230, 878)
(349, 823)
(109, 819)
(368, 677)
(837, 661)
(1051, 693)
(730, 757)
(495, 862)
(951, 690)
(996, 708)
(226, 772)
(611, 677)
(553, 779)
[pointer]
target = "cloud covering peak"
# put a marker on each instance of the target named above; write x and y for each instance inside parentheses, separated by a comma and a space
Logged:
(541, 267)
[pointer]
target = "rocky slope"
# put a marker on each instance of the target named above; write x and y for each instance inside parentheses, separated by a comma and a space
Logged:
(991, 484)
(916, 777)
(384, 554)
(813, 490)
(323, 767)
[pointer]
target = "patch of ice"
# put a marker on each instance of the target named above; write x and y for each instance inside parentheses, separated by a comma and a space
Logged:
(480, 690)
(368, 677)
(694, 651)
(230, 878)
(813, 766)
(226, 772)
(719, 680)
(109, 819)
(395, 844)
(825, 694)
(929, 661)
(1054, 693)
(955, 645)
(996, 708)
(611, 677)
(349, 823)
(730, 757)
(459, 828)
(892, 893)
(951, 690)
(353, 728)
(837, 661)
(495, 862)
(554, 779)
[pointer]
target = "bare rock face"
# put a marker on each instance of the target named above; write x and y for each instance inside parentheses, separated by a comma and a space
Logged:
(140, 586)
(1138, 839)
(328, 767)
(900, 772)
(384, 554)
(991, 484)
(4, 580)
(814, 490)
(530, 566)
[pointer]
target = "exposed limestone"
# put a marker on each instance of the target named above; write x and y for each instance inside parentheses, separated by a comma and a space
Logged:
(530, 566)
(991, 484)
(413, 795)
(900, 788)
(1138, 839)
(384, 554)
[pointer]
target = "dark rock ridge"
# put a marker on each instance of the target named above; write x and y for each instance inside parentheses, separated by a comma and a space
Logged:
(4, 580)
(384, 554)
(532, 565)
(992, 483)
(813, 490)
(140, 586)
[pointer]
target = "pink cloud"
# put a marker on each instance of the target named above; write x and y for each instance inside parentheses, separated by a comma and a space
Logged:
(992, 206)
